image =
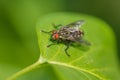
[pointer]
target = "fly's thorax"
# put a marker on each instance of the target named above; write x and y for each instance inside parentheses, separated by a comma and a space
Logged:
(64, 33)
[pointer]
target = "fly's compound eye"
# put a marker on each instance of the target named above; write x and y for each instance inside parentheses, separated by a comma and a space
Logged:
(55, 36)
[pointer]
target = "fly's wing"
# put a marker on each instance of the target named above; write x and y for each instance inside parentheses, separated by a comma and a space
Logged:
(76, 24)
(84, 42)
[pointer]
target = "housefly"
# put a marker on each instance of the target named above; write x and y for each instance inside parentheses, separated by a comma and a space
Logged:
(67, 34)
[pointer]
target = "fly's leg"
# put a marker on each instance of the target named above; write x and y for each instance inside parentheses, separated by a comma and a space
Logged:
(51, 44)
(66, 49)
(56, 26)
(48, 32)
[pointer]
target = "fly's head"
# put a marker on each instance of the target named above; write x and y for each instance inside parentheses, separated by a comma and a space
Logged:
(55, 35)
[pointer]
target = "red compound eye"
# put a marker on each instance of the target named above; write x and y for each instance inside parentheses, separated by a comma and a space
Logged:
(56, 36)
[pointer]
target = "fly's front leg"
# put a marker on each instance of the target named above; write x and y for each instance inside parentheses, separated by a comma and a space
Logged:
(56, 26)
(54, 43)
(51, 44)
(48, 32)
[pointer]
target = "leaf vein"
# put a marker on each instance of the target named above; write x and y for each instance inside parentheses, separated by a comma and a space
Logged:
(77, 68)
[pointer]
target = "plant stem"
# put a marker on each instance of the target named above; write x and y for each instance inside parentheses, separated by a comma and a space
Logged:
(25, 70)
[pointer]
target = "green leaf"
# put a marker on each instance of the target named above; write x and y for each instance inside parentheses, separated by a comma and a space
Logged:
(96, 62)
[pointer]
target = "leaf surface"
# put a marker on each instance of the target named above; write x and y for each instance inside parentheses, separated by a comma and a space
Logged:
(96, 62)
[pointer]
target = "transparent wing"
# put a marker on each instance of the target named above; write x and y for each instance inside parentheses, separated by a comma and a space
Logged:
(76, 24)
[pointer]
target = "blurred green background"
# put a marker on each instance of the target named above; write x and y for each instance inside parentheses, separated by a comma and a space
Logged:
(18, 40)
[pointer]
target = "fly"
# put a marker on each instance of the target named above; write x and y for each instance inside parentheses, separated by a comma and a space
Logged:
(68, 34)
